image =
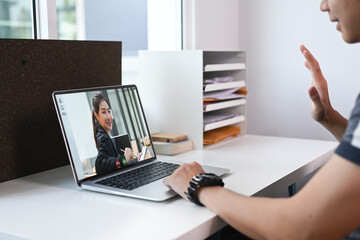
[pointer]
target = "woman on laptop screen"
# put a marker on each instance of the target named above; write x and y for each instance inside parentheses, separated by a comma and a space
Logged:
(108, 158)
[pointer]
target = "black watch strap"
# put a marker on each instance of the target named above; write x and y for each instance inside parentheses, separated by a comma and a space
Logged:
(202, 179)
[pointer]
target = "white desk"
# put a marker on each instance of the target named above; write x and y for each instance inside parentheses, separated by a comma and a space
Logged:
(49, 205)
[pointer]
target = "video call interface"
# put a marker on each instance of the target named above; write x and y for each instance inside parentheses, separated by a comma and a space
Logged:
(99, 140)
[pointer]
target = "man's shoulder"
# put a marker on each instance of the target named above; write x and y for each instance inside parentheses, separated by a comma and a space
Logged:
(349, 147)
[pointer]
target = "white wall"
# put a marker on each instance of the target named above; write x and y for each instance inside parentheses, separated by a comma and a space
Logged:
(164, 33)
(164, 24)
(211, 24)
(271, 32)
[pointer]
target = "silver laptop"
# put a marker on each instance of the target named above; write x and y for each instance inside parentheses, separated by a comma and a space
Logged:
(89, 118)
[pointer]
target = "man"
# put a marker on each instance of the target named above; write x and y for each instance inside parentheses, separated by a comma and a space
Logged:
(328, 207)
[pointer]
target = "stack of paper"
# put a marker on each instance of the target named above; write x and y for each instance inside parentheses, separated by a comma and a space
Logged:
(167, 148)
(222, 95)
(171, 143)
(218, 80)
(223, 85)
(220, 134)
(215, 117)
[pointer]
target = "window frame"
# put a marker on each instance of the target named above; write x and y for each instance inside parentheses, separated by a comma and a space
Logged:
(158, 33)
(45, 19)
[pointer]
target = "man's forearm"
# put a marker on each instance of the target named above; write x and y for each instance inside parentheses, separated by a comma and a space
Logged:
(325, 208)
(258, 218)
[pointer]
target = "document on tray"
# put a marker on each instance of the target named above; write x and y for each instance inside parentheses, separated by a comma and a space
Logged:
(216, 116)
(218, 80)
(223, 94)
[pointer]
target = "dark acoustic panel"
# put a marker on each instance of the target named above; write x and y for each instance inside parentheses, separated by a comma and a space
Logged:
(30, 70)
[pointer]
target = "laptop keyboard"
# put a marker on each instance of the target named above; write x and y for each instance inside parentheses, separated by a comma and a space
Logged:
(140, 176)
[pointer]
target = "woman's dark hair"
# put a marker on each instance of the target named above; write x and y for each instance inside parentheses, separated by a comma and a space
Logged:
(96, 100)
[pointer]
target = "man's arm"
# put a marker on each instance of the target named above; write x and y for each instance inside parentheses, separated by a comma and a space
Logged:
(321, 109)
(326, 208)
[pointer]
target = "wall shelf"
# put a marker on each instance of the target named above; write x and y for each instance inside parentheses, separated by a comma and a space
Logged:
(172, 90)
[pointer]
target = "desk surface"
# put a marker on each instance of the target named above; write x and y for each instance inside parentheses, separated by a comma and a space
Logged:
(49, 205)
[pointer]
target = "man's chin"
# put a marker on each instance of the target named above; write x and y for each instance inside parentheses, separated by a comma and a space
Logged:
(351, 39)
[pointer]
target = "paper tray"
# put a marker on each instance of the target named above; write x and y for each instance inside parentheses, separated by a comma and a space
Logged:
(223, 123)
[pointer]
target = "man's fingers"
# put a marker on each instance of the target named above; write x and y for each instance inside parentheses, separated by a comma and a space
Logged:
(310, 59)
(166, 182)
(314, 95)
(302, 48)
(312, 64)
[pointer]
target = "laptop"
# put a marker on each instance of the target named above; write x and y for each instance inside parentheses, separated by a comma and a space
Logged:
(96, 162)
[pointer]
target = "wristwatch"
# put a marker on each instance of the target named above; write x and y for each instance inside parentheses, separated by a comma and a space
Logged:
(202, 179)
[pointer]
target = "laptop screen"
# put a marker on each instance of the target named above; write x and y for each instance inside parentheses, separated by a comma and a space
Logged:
(104, 129)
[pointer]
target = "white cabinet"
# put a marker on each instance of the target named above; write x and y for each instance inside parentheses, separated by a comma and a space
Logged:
(172, 90)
